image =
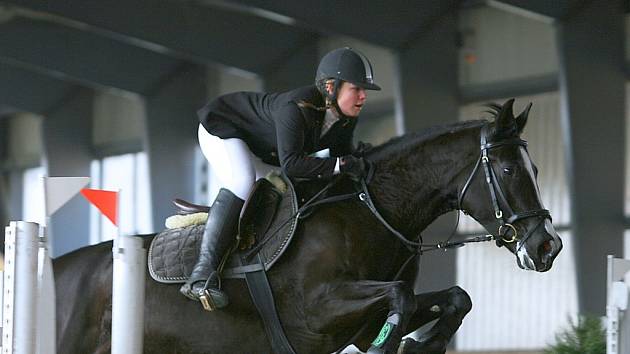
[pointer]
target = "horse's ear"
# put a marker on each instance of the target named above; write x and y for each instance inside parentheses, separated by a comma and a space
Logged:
(505, 124)
(521, 120)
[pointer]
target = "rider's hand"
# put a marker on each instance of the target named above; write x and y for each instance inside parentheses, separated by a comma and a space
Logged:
(355, 167)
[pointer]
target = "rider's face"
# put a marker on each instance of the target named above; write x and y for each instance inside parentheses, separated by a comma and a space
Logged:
(350, 99)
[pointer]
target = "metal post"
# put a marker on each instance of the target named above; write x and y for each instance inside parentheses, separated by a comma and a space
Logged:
(128, 295)
(612, 314)
(46, 329)
(20, 312)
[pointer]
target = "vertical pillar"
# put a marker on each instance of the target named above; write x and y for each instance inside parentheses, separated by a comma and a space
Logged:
(172, 139)
(4, 174)
(427, 89)
(297, 70)
(592, 91)
(67, 135)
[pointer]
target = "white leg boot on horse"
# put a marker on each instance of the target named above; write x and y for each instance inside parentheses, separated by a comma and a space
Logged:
(219, 234)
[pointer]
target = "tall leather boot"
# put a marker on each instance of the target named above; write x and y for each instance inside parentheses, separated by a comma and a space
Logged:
(219, 234)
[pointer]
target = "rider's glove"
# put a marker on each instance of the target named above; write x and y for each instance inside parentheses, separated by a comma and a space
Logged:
(355, 167)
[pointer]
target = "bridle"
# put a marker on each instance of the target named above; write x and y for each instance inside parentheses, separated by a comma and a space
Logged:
(506, 223)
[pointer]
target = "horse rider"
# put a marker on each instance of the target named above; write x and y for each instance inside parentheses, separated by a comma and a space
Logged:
(241, 134)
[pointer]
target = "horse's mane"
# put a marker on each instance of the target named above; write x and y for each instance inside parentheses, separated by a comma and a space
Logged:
(404, 142)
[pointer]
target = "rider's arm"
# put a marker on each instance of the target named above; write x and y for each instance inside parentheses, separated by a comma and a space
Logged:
(344, 145)
(290, 131)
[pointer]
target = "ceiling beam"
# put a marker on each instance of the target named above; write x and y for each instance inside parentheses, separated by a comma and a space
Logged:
(24, 90)
(545, 10)
(182, 29)
(81, 57)
(390, 24)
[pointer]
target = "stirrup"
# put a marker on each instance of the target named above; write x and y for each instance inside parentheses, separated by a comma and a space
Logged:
(206, 300)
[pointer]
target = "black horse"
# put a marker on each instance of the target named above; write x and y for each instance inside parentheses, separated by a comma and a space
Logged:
(337, 274)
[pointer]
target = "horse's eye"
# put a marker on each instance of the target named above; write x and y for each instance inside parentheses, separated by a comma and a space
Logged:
(508, 171)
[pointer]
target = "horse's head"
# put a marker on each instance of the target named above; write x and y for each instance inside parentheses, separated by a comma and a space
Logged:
(502, 194)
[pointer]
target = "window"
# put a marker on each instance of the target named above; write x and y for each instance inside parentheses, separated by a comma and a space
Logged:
(128, 174)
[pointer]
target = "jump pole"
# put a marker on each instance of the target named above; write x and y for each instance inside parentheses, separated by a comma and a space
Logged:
(128, 292)
(20, 277)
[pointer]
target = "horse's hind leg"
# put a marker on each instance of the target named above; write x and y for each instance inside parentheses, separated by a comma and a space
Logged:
(449, 306)
(346, 304)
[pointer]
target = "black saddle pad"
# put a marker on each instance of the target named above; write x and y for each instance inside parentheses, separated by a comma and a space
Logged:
(173, 252)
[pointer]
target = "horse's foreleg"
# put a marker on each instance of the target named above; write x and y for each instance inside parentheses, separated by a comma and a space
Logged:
(344, 305)
(449, 306)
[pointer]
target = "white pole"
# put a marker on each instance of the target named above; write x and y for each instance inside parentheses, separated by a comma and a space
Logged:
(20, 308)
(612, 313)
(46, 329)
(128, 295)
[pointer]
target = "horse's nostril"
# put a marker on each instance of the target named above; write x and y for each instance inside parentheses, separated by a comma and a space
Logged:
(545, 250)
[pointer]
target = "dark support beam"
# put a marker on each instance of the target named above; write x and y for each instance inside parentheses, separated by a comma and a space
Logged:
(510, 88)
(591, 53)
(427, 90)
(80, 56)
(4, 177)
(30, 91)
(68, 152)
(294, 71)
(6, 110)
(385, 23)
(14, 183)
(172, 139)
(556, 9)
(187, 30)
(427, 86)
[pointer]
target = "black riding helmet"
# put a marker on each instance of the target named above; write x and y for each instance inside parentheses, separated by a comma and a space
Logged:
(344, 64)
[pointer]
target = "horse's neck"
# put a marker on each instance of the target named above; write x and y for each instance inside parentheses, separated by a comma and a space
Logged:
(413, 188)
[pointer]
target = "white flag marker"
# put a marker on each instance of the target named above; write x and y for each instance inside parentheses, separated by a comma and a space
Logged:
(59, 190)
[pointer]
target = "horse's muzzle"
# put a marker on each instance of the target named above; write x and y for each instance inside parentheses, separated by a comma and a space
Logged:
(541, 250)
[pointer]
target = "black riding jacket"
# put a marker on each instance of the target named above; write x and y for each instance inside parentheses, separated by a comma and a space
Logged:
(279, 131)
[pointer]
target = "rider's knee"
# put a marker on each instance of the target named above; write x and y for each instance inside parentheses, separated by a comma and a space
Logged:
(460, 299)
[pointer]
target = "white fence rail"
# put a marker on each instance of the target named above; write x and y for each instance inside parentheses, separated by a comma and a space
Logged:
(617, 314)
(28, 293)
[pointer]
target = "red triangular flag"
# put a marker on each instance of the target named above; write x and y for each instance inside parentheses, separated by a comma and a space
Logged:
(105, 201)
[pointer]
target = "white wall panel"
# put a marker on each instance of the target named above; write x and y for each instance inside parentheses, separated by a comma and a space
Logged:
(514, 309)
(499, 45)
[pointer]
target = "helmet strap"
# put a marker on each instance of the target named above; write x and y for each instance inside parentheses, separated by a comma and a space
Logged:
(331, 98)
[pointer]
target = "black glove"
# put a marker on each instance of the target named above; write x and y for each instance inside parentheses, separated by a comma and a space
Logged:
(355, 167)
(361, 149)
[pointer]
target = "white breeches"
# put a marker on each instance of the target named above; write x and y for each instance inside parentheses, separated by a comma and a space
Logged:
(232, 165)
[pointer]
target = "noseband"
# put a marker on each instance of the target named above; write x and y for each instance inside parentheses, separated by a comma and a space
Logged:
(496, 192)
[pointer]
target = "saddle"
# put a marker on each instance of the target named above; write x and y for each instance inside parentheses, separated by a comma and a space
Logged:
(268, 216)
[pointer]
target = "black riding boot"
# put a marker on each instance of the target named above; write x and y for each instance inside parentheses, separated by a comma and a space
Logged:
(219, 234)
